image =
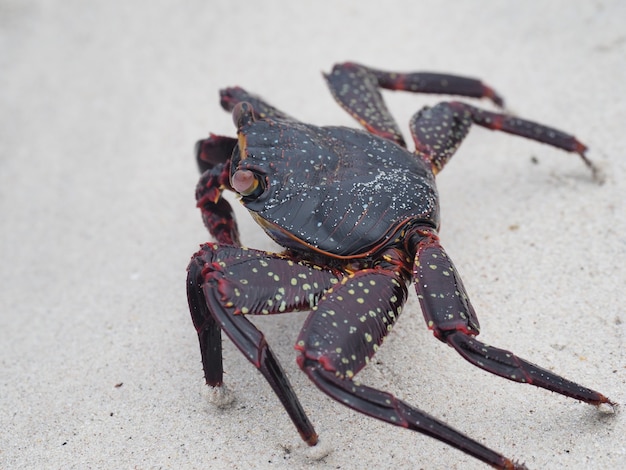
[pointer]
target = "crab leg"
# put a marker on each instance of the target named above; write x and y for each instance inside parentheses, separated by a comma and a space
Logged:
(230, 97)
(213, 151)
(449, 314)
(226, 282)
(436, 83)
(217, 213)
(357, 89)
(438, 131)
(522, 128)
(213, 157)
(209, 332)
(252, 343)
(386, 407)
(340, 336)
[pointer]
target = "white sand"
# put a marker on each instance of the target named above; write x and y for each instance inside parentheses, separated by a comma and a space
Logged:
(101, 103)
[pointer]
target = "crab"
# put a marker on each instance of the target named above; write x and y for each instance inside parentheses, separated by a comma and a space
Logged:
(358, 216)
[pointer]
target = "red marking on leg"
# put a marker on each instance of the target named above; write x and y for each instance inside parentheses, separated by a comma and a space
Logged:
(497, 122)
(490, 93)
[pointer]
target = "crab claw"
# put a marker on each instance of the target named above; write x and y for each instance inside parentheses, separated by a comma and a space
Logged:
(243, 114)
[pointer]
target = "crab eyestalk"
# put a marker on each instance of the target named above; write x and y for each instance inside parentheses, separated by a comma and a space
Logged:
(243, 113)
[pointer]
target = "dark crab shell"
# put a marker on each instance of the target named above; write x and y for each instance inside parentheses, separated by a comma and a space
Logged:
(336, 190)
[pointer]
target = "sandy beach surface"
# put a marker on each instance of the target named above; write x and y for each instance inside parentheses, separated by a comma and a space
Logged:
(101, 103)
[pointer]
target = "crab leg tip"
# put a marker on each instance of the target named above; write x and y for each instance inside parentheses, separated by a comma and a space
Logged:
(221, 396)
(512, 465)
(310, 440)
(493, 96)
(596, 173)
(318, 451)
(607, 406)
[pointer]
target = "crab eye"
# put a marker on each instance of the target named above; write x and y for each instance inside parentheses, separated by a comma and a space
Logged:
(243, 113)
(245, 182)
